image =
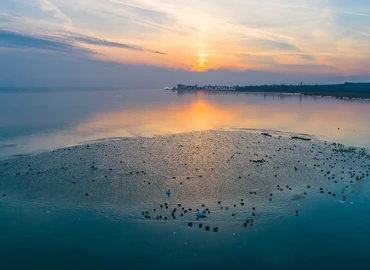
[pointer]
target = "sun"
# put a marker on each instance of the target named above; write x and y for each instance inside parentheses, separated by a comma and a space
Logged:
(202, 60)
(201, 66)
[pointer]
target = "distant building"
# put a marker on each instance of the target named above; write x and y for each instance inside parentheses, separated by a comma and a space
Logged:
(206, 87)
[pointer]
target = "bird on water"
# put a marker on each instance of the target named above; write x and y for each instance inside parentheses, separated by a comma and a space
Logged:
(201, 214)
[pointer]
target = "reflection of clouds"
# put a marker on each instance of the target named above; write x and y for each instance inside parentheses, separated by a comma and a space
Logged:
(204, 111)
(322, 118)
(198, 115)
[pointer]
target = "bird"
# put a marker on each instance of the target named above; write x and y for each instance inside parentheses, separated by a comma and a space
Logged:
(200, 214)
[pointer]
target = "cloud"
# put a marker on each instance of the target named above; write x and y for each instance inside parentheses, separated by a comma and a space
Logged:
(62, 43)
(153, 18)
(47, 6)
(270, 45)
(307, 57)
(331, 32)
(9, 17)
(357, 14)
(282, 46)
(10, 39)
(5, 17)
(106, 43)
(132, 5)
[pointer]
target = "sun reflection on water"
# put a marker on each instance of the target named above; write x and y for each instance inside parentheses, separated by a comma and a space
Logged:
(334, 120)
(205, 113)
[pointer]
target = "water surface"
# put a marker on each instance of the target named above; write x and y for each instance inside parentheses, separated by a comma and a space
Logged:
(32, 121)
(81, 207)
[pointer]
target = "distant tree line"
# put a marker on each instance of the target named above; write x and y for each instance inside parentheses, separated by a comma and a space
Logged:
(347, 89)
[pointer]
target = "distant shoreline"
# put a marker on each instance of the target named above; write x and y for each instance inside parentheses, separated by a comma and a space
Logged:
(346, 90)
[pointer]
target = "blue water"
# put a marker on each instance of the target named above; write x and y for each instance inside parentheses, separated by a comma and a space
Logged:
(47, 222)
(321, 239)
(36, 120)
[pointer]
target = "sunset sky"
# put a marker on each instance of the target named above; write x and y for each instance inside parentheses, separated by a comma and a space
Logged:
(109, 42)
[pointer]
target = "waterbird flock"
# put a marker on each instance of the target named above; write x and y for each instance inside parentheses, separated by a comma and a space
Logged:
(233, 176)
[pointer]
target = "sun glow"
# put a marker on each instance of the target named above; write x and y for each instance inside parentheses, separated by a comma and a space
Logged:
(202, 55)
(202, 60)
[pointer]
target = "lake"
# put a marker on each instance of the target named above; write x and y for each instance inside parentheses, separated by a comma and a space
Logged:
(80, 166)
(32, 121)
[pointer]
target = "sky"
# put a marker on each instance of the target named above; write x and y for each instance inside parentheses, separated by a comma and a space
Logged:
(147, 43)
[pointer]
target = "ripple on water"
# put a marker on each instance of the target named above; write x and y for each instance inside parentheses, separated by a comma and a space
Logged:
(236, 175)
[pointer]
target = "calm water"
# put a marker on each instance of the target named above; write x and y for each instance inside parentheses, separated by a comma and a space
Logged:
(47, 222)
(33, 121)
